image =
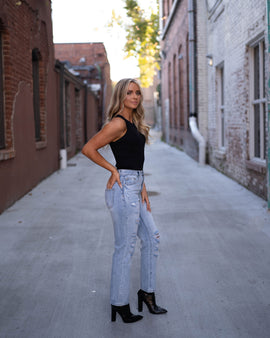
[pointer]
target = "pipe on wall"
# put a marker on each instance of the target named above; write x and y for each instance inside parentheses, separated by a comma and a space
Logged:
(199, 138)
(192, 84)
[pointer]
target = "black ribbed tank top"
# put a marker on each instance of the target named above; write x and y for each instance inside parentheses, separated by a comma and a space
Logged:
(128, 151)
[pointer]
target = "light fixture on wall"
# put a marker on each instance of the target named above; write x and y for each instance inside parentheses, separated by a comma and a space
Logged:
(210, 59)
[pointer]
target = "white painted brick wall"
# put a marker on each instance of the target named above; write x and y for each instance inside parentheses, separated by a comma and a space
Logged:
(225, 34)
(228, 37)
(202, 85)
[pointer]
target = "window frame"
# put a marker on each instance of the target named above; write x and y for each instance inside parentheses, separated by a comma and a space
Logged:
(170, 94)
(221, 106)
(175, 91)
(261, 101)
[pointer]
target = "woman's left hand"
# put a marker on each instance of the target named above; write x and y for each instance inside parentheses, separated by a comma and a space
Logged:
(145, 198)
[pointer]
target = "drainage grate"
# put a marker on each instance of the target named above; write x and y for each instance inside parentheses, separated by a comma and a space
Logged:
(71, 164)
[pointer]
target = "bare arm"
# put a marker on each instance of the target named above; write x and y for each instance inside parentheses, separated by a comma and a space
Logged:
(110, 132)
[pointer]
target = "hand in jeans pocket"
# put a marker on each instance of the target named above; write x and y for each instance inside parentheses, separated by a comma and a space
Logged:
(109, 197)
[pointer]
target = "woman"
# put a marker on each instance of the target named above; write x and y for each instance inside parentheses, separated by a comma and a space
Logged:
(127, 199)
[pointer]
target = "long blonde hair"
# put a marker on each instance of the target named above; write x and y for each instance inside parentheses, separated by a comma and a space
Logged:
(116, 106)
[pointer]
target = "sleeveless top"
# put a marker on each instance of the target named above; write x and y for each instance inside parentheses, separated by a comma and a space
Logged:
(128, 151)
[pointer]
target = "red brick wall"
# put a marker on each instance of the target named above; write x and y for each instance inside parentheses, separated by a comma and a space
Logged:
(73, 52)
(92, 116)
(26, 25)
(93, 54)
(174, 79)
(235, 160)
(78, 111)
(77, 117)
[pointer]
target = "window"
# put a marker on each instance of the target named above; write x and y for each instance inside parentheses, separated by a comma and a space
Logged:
(175, 106)
(78, 120)
(2, 117)
(258, 102)
(170, 93)
(187, 81)
(67, 113)
(36, 93)
(181, 86)
(220, 105)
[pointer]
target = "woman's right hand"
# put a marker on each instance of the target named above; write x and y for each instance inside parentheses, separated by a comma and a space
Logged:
(115, 177)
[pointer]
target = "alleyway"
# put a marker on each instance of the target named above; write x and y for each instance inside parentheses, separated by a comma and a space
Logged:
(214, 266)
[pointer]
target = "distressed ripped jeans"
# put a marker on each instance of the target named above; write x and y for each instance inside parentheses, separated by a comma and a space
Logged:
(131, 218)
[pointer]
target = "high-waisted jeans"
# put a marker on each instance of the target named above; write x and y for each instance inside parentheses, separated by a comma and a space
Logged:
(131, 218)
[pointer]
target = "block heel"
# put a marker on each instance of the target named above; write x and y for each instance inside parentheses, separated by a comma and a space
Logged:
(124, 312)
(150, 300)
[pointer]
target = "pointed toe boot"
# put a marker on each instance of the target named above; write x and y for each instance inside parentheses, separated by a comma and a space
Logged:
(126, 315)
(150, 300)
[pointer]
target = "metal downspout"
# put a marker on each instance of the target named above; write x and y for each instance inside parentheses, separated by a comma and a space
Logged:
(268, 105)
(192, 84)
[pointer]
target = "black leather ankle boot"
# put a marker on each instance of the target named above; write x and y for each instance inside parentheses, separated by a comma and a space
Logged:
(126, 315)
(150, 301)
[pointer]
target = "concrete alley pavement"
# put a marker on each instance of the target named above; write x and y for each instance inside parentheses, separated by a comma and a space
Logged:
(56, 245)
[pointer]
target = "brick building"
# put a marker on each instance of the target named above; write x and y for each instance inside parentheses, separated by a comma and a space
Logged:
(29, 118)
(78, 112)
(175, 75)
(151, 104)
(237, 82)
(90, 63)
(31, 96)
(230, 85)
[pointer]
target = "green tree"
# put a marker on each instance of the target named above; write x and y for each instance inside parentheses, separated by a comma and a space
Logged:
(142, 39)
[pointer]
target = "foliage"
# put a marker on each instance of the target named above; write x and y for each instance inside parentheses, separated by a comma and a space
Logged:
(142, 39)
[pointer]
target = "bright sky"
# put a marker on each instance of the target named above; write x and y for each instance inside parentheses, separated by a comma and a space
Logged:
(86, 21)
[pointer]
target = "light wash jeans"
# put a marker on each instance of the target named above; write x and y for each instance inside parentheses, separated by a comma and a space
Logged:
(131, 218)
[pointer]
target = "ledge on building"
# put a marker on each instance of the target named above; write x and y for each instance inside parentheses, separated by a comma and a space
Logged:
(216, 10)
(220, 154)
(41, 145)
(256, 165)
(7, 154)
